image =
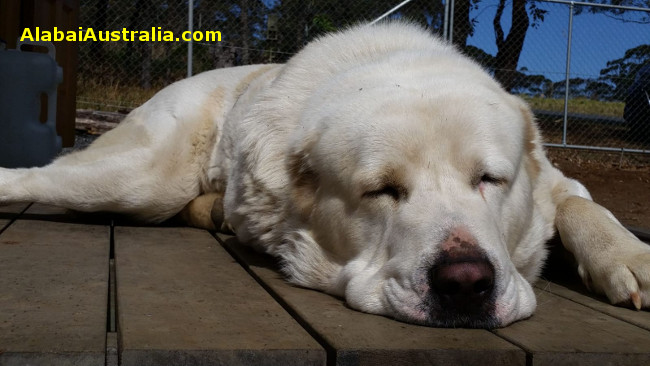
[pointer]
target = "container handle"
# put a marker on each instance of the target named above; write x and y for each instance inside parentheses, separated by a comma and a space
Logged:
(49, 45)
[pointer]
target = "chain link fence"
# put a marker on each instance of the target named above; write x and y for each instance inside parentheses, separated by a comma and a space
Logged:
(601, 100)
(584, 68)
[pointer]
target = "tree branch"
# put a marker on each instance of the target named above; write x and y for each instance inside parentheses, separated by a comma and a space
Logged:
(498, 30)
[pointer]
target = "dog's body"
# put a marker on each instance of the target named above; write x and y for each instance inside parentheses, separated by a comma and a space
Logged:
(379, 164)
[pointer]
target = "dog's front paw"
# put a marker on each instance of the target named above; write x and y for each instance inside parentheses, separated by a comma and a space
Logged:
(624, 277)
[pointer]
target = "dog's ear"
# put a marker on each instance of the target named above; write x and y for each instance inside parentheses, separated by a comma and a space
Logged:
(303, 177)
(532, 139)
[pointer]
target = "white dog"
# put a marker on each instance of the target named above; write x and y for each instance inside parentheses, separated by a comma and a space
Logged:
(379, 164)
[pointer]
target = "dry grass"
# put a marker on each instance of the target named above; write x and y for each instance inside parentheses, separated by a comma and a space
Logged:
(112, 97)
(578, 105)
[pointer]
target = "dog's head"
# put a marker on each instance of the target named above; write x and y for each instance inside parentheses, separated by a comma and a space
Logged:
(412, 197)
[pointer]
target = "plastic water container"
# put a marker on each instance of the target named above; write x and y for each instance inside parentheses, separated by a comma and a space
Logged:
(27, 79)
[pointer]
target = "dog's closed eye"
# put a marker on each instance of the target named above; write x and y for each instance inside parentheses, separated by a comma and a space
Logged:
(391, 191)
(485, 180)
(491, 179)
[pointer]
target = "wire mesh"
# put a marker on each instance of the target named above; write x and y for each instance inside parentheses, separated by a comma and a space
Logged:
(523, 43)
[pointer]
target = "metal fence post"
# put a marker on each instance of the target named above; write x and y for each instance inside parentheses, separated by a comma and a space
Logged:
(445, 26)
(450, 35)
(190, 28)
(391, 11)
(568, 71)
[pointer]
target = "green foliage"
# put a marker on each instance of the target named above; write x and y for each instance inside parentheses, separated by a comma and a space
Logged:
(302, 21)
(620, 72)
(636, 17)
(480, 56)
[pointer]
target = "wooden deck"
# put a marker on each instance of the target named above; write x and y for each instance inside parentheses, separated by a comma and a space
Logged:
(90, 291)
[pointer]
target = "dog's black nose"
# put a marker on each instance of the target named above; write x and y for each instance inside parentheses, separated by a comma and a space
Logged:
(466, 284)
(463, 284)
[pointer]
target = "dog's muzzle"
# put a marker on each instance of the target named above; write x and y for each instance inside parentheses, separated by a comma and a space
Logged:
(461, 284)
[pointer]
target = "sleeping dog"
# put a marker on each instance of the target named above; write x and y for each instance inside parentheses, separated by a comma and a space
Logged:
(379, 164)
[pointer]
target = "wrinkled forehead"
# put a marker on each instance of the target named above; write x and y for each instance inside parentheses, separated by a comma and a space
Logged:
(406, 125)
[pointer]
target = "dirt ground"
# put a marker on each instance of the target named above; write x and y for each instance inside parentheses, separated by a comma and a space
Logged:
(619, 183)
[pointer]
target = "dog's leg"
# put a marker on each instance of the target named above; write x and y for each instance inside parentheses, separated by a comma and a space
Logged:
(205, 212)
(611, 260)
(128, 183)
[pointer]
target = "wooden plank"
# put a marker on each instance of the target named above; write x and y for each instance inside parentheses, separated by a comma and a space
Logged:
(10, 209)
(54, 281)
(562, 332)
(9, 212)
(10, 22)
(578, 293)
(38, 211)
(94, 127)
(182, 300)
(641, 233)
(561, 278)
(355, 338)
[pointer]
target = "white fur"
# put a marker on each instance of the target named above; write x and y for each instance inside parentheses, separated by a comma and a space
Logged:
(293, 148)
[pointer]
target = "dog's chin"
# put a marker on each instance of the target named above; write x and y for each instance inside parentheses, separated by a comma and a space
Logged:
(515, 301)
(431, 314)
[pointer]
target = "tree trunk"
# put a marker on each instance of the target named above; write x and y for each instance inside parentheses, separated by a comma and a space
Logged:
(510, 46)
